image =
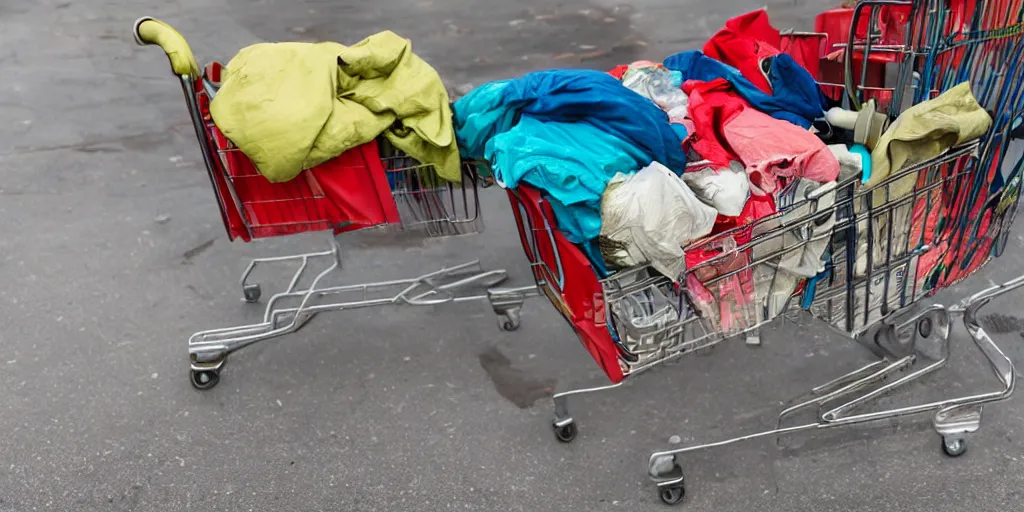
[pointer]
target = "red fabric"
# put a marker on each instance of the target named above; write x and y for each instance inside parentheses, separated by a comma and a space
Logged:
(756, 207)
(619, 71)
(743, 43)
(728, 129)
(347, 193)
(806, 49)
(712, 105)
(575, 290)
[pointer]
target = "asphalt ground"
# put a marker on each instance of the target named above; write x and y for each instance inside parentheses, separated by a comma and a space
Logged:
(112, 254)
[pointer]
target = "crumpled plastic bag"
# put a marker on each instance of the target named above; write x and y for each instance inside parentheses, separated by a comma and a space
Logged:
(648, 218)
(726, 189)
(659, 85)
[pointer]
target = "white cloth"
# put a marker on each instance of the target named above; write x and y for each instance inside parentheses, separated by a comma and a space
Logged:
(798, 252)
(648, 218)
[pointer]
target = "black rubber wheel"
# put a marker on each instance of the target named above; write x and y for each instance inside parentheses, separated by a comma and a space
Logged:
(566, 433)
(204, 379)
(954, 448)
(924, 327)
(509, 326)
(251, 293)
(672, 495)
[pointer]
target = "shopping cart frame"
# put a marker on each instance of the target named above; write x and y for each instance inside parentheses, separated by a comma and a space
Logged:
(289, 310)
(904, 340)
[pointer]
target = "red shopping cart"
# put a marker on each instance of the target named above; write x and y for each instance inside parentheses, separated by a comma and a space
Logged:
(372, 185)
(888, 246)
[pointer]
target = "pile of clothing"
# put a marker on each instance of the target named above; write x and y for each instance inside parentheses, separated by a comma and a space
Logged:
(293, 106)
(648, 162)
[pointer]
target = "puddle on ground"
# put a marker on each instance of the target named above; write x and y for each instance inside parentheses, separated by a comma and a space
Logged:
(1002, 324)
(514, 384)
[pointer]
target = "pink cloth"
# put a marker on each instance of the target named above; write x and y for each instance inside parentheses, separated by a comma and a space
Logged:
(727, 128)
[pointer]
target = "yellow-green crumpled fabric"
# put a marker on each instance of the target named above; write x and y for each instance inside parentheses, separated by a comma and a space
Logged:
(923, 132)
(293, 106)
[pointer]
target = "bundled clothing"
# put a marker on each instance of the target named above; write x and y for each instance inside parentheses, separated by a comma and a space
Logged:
(567, 132)
(793, 95)
(728, 129)
(570, 96)
(293, 106)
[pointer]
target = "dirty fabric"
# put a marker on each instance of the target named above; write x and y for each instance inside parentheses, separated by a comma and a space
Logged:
(728, 129)
(794, 95)
(648, 218)
(568, 96)
(292, 106)
(571, 162)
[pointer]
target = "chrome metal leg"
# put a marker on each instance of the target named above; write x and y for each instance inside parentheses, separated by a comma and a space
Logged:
(289, 311)
(954, 418)
(564, 425)
(251, 292)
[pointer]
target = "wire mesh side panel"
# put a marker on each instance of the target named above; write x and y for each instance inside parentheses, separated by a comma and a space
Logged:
(651, 319)
(980, 42)
(745, 277)
(429, 205)
(889, 242)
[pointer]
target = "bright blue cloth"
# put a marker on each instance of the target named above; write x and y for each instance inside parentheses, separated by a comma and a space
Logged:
(568, 96)
(795, 96)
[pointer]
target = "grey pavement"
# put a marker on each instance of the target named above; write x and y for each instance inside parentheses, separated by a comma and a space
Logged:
(111, 255)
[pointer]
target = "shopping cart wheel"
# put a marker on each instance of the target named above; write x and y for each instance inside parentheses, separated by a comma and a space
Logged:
(205, 379)
(251, 293)
(954, 447)
(566, 433)
(672, 495)
(509, 321)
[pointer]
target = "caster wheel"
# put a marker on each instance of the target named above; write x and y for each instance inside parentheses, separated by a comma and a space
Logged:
(566, 433)
(205, 379)
(509, 321)
(251, 293)
(954, 447)
(672, 495)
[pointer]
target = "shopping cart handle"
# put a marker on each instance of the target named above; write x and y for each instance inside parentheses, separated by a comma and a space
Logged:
(151, 31)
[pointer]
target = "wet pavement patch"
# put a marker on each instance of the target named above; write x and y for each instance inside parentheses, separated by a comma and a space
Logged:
(1002, 324)
(514, 384)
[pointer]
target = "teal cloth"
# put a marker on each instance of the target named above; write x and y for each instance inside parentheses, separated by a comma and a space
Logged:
(571, 162)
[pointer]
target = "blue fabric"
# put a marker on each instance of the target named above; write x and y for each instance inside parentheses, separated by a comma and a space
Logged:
(567, 133)
(571, 162)
(795, 96)
(568, 96)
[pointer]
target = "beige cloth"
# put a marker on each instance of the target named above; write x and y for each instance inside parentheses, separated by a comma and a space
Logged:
(925, 131)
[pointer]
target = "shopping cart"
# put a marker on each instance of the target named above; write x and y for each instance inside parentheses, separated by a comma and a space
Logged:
(371, 186)
(924, 228)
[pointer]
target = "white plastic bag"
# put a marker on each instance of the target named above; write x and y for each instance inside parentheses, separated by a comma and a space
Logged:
(726, 189)
(648, 218)
(657, 85)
